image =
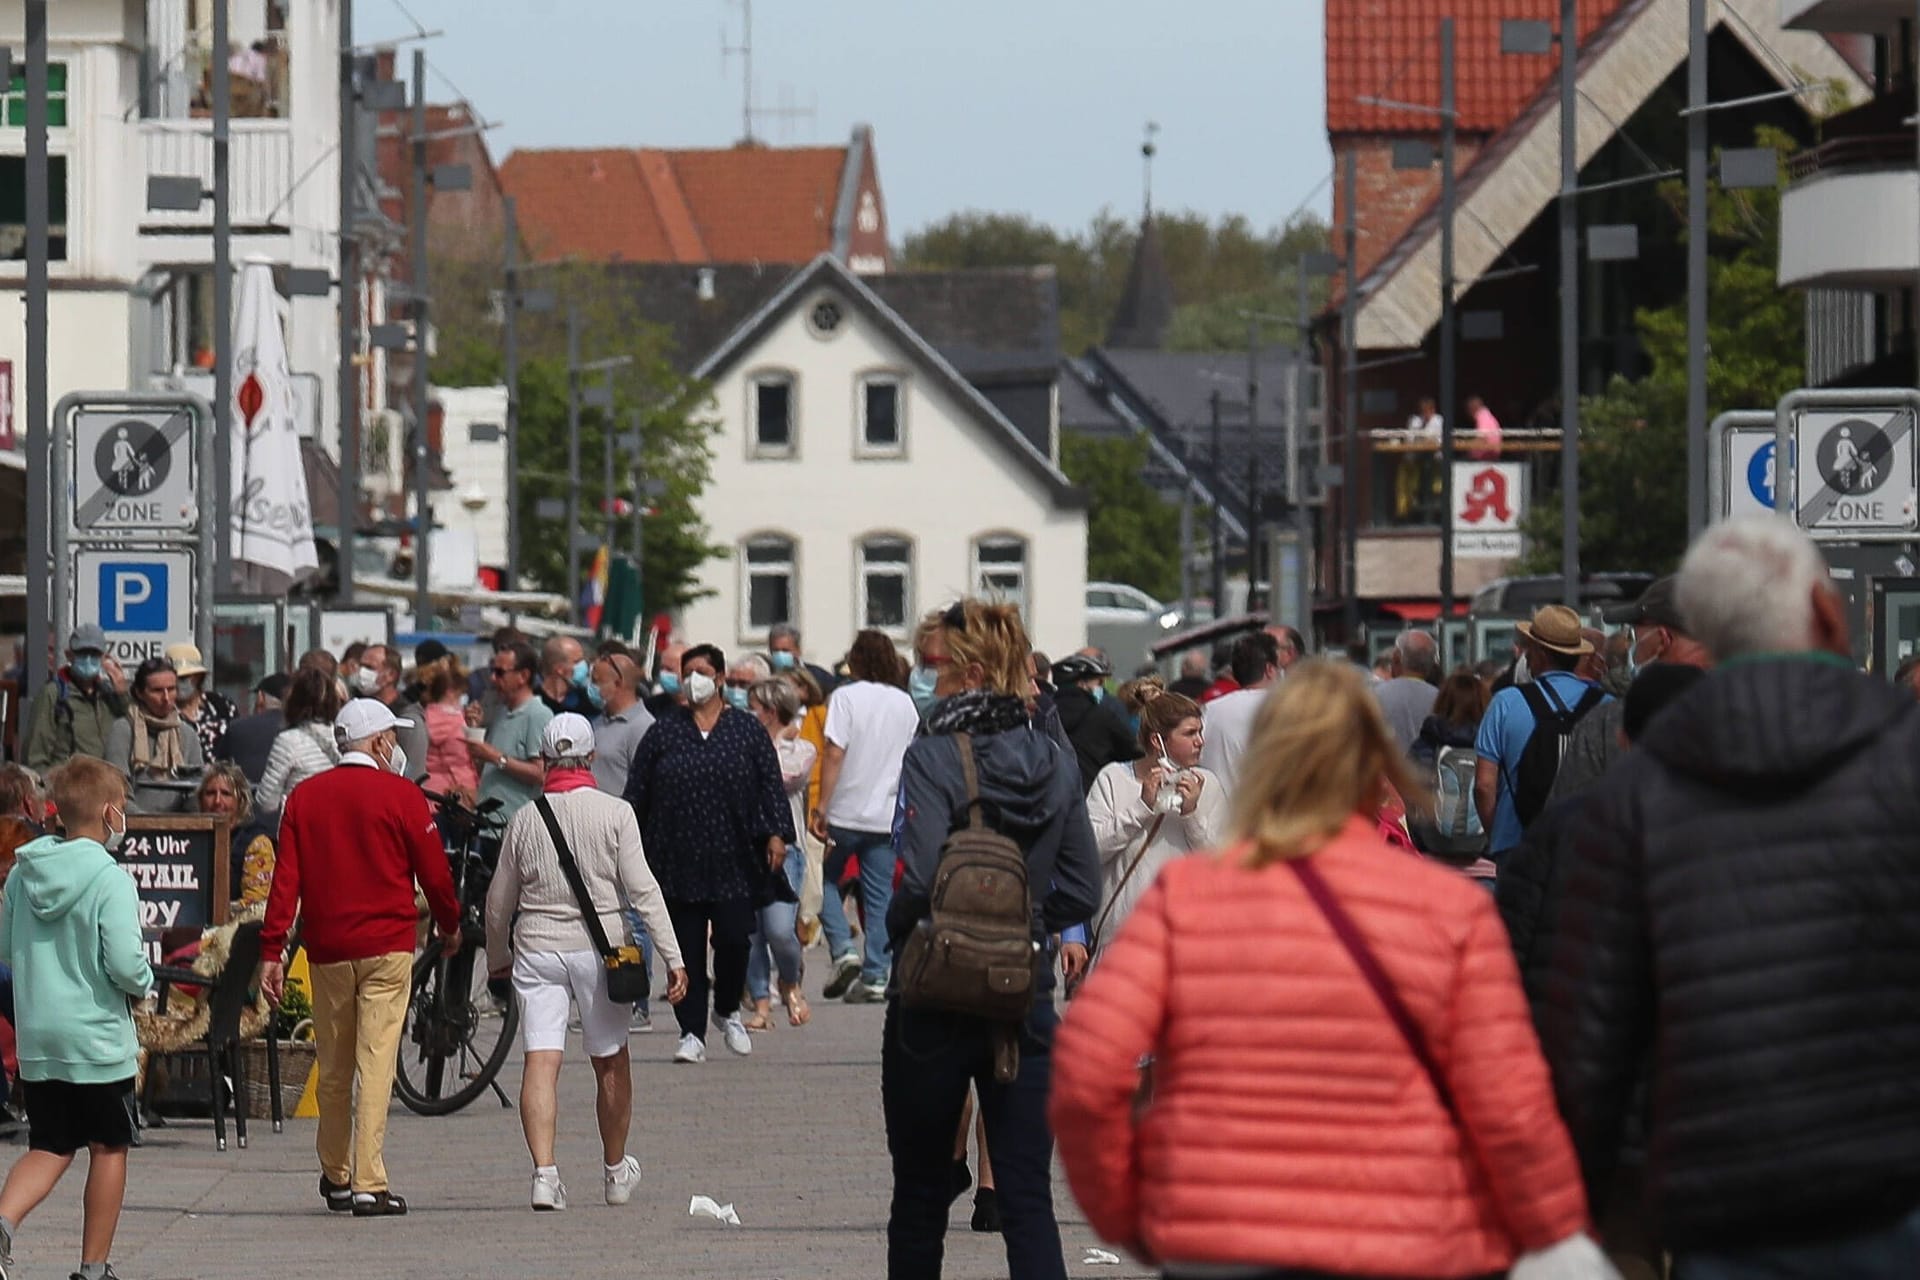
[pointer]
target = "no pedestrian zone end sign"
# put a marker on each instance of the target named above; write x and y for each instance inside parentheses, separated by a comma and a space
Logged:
(1858, 472)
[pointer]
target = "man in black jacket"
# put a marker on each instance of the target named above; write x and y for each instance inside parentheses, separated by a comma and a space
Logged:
(249, 740)
(1741, 921)
(1098, 730)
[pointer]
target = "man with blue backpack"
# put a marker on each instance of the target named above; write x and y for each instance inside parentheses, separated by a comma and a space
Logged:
(1527, 727)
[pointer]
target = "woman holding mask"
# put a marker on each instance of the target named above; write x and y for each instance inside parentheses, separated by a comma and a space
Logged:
(152, 746)
(1150, 811)
(706, 787)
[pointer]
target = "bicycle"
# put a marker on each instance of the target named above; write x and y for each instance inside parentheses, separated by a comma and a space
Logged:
(457, 1037)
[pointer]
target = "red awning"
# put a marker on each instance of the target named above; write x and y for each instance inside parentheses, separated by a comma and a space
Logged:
(1420, 610)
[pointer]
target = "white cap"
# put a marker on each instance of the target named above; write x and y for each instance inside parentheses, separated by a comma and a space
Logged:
(365, 718)
(567, 734)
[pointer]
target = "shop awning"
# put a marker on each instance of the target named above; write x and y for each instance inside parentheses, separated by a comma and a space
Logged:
(1420, 610)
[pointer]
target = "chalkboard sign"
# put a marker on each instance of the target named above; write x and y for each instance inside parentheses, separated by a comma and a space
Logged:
(179, 863)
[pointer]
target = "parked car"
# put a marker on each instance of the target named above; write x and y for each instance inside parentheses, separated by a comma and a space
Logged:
(1125, 621)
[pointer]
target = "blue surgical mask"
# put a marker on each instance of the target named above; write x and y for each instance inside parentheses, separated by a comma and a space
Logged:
(1133, 723)
(782, 660)
(670, 683)
(582, 673)
(1099, 692)
(736, 697)
(597, 698)
(920, 688)
(85, 666)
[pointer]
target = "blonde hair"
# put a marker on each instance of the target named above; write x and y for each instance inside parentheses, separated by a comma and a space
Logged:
(1160, 712)
(991, 637)
(1321, 753)
(83, 786)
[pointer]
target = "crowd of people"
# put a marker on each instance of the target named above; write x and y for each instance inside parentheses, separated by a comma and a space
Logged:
(1593, 963)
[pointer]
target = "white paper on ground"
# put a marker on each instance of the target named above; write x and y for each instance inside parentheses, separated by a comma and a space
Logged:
(708, 1207)
(1100, 1258)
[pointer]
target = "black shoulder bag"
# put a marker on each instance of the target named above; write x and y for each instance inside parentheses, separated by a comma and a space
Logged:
(627, 976)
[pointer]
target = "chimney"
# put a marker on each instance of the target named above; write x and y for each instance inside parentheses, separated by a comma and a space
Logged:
(704, 288)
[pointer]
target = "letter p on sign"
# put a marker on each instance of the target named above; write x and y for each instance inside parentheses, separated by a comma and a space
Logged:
(134, 597)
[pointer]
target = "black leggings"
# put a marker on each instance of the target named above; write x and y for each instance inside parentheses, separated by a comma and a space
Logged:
(732, 924)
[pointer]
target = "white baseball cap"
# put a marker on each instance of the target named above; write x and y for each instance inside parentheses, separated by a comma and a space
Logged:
(364, 718)
(567, 734)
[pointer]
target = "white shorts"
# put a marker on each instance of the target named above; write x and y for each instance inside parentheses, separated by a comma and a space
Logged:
(548, 983)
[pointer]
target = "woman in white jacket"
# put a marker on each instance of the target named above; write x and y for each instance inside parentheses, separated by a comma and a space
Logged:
(1150, 811)
(306, 746)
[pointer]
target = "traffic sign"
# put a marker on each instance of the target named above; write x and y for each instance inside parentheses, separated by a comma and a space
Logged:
(1749, 472)
(143, 599)
(134, 471)
(1858, 470)
(1488, 505)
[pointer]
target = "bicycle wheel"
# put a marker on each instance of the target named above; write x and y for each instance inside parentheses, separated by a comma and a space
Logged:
(456, 1038)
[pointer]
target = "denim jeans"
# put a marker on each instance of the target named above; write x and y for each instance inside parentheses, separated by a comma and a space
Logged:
(1882, 1254)
(774, 930)
(875, 851)
(927, 1062)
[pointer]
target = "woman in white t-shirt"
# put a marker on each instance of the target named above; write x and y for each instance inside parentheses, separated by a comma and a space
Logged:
(870, 723)
(1148, 812)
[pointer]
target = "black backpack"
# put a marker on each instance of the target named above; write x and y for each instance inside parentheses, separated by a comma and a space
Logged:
(1553, 721)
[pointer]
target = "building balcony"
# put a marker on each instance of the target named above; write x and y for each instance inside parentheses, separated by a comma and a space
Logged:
(1844, 16)
(1848, 221)
(260, 169)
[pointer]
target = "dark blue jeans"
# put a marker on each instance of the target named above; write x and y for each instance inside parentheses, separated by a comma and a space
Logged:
(1889, 1253)
(926, 1064)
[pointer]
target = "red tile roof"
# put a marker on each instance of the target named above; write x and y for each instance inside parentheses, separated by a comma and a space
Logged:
(742, 204)
(1391, 49)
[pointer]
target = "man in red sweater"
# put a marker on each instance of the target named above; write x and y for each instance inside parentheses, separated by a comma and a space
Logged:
(353, 841)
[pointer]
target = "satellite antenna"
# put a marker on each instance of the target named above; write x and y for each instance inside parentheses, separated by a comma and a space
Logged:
(786, 111)
(1148, 149)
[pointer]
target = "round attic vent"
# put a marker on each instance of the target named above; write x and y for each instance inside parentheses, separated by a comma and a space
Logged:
(825, 319)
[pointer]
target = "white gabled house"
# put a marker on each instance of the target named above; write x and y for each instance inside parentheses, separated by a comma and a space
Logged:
(860, 481)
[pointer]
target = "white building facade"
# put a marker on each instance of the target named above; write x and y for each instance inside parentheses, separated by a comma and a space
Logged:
(473, 447)
(131, 298)
(860, 482)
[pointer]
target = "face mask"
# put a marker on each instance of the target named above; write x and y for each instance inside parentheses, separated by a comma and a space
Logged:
(669, 683)
(700, 688)
(782, 660)
(1099, 692)
(85, 666)
(597, 698)
(582, 673)
(366, 680)
(1634, 665)
(1521, 674)
(736, 698)
(920, 688)
(397, 760)
(115, 838)
(1133, 725)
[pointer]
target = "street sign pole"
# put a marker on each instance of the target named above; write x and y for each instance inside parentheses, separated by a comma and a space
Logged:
(222, 304)
(417, 272)
(349, 390)
(1569, 305)
(1449, 355)
(39, 503)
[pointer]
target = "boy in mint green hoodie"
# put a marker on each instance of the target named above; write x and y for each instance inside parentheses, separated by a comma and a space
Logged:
(70, 927)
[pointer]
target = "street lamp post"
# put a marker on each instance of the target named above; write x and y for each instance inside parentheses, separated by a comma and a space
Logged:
(573, 461)
(422, 308)
(1449, 335)
(42, 629)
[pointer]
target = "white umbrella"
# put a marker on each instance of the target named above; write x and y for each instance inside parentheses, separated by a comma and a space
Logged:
(272, 516)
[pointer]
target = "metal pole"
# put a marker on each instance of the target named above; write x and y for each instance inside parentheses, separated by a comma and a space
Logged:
(639, 515)
(606, 479)
(349, 311)
(1253, 463)
(222, 305)
(40, 628)
(1449, 335)
(1186, 553)
(422, 308)
(1219, 531)
(573, 461)
(1570, 307)
(1350, 405)
(1696, 267)
(1296, 444)
(512, 343)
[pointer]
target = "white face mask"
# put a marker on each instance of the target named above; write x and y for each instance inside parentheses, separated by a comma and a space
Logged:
(700, 688)
(396, 760)
(366, 680)
(115, 838)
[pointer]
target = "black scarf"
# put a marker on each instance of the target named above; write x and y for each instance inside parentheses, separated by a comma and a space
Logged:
(977, 711)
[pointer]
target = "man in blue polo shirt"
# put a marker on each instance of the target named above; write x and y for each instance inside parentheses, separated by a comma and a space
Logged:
(1553, 646)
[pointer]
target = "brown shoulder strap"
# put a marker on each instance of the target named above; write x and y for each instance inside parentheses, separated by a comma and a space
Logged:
(971, 777)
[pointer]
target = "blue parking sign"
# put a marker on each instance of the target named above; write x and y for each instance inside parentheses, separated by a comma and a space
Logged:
(133, 596)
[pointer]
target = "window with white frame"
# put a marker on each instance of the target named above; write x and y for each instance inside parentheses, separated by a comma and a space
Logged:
(886, 583)
(770, 401)
(882, 415)
(768, 594)
(1000, 569)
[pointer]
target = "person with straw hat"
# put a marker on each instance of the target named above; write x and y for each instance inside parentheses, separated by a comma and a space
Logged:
(1524, 733)
(199, 704)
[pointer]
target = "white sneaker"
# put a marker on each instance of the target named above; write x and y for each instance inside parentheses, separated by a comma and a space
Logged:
(549, 1193)
(623, 1180)
(691, 1050)
(736, 1033)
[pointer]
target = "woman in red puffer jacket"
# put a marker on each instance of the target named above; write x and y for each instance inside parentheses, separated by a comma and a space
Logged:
(1304, 1129)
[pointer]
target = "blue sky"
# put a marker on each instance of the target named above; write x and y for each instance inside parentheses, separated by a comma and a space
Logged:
(1032, 106)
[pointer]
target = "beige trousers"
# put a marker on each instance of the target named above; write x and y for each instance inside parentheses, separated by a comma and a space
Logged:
(359, 1007)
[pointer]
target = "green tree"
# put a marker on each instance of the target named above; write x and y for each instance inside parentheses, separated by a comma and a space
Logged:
(1133, 535)
(1633, 512)
(676, 448)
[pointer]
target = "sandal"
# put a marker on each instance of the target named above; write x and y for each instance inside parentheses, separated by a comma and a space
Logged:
(756, 1021)
(381, 1204)
(799, 1013)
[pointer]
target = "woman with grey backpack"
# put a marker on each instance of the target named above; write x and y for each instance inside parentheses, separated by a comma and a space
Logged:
(572, 847)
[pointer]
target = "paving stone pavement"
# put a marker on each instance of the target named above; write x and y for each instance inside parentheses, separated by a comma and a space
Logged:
(791, 1136)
